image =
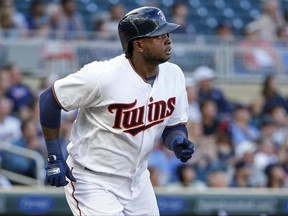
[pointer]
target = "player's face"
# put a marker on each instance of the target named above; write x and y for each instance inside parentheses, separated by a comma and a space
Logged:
(157, 49)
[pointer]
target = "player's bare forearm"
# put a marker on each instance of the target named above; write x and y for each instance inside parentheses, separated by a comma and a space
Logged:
(50, 133)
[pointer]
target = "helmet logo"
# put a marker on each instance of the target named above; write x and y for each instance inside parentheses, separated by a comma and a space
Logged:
(161, 15)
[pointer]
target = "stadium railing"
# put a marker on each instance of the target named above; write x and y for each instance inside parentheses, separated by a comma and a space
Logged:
(32, 154)
(40, 57)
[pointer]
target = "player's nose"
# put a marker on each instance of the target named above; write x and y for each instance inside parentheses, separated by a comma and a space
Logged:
(167, 38)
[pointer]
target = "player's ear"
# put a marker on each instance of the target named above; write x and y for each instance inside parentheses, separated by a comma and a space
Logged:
(138, 45)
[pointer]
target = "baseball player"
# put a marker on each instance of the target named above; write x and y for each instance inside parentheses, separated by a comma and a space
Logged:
(125, 105)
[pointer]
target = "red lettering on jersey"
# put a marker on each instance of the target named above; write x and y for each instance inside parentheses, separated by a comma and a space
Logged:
(171, 106)
(132, 119)
(119, 107)
(159, 110)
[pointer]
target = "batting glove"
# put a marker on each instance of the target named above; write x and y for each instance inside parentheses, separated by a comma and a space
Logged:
(183, 148)
(57, 170)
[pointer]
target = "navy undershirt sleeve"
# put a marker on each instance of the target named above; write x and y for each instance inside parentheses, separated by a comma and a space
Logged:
(170, 133)
(50, 111)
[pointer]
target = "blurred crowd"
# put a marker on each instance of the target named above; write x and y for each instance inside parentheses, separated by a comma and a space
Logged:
(20, 125)
(236, 145)
(261, 44)
(69, 20)
(56, 20)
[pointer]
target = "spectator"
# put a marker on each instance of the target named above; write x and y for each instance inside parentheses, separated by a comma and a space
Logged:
(246, 152)
(106, 26)
(224, 33)
(218, 179)
(31, 137)
(281, 45)
(257, 179)
(195, 131)
(283, 159)
(160, 160)
(29, 140)
(257, 55)
(194, 113)
(270, 20)
(270, 96)
(154, 176)
(187, 178)
(71, 23)
(8, 28)
(204, 77)
(224, 144)
(279, 117)
(9, 126)
(267, 127)
(54, 13)
(206, 157)
(241, 175)
(276, 176)
(210, 121)
(37, 19)
(4, 81)
(285, 17)
(266, 153)
(180, 16)
(19, 93)
(33, 110)
(256, 116)
(241, 129)
(33, 115)
(18, 19)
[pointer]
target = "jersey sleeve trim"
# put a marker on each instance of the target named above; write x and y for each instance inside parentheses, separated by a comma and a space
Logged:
(55, 96)
(179, 124)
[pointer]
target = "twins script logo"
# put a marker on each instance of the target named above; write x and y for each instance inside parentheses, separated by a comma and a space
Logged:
(131, 118)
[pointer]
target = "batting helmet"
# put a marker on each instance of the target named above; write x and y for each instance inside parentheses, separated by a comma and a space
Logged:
(143, 22)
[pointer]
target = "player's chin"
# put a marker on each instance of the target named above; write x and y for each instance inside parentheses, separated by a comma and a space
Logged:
(166, 58)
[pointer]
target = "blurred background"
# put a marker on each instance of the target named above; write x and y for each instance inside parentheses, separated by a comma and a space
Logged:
(234, 54)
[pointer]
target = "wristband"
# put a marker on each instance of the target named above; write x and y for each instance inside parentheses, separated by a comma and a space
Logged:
(170, 134)
(54, 147)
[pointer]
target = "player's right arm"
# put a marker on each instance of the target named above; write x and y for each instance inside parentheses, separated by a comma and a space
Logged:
(50, 118)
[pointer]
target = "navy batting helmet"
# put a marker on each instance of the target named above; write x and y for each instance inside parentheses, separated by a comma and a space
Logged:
(143, 22)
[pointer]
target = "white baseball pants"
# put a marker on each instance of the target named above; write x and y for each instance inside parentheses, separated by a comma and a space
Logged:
(103, 194)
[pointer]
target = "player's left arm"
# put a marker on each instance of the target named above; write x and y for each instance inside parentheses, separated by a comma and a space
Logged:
(175, 138)
(50, 117)
(175, 135)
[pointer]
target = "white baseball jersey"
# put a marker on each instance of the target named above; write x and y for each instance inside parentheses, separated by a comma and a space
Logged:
(121, 115)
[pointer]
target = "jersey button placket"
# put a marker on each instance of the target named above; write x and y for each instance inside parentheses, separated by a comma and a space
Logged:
(146, 93)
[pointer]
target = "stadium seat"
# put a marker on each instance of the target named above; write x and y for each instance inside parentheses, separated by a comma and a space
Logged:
(204, 15)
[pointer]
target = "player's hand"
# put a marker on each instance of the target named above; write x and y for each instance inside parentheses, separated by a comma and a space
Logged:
(183, 149)
(57, 170)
